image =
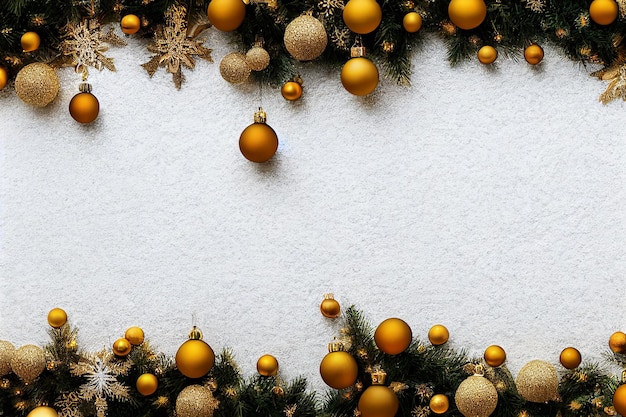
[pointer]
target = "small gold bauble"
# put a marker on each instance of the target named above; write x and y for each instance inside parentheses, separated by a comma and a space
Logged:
(393, 336)
(43, 411)
(476, 397)
(330, 307)
(339, 369)
(30, 41)
(537, 382)
(533, 54)
(412, 22)
(195, 358)
(226, 15)
(438, 334)
(257, 58)
(487, 54)
(617, 342)
(467, 14)
(359, 75)
(258, 142)
(134, 335)
(494, 355)
(122, 347)
(378, 401)
(57, 317)
(84, 107)
(4, 77)
(603, 12)
(291, 91)
(7, 350)
(619, 400)
(305, 38)
(147, 384)
(37, 84)
(267, 365)
(28, 362)
(362, 16)
(234, 68)
(439, 403)
(570, 358)
(195, 401)
(130, 24)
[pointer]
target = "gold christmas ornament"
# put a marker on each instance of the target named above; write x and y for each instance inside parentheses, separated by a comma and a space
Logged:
(84, 106)
(130, 24)
(195, 401)
(467, 14)
(487, 54)
(438, 334)
(359, 76)
(305, 38)
(195, 358)
(570, 358)
(338, 369)
(267, 365)
(476, 397)
(37, 84)
(122, 347)
(439, 403)
(30, 41)
(412, 22)
(4, 77)
(537, 382)
(226, 15)
(603, 12)
(362, 16)
(43, 411)
(292, 91)
(147, 384)
(28, 362)
(393, 336)
(494, 355)
(617, 342)
(234, 68)
(257, 58)
(7, 350)
(330, 307)
(378, 401)
(134, 335)
(533, 54)
(258, 142)
(57, 317)
(619, 400)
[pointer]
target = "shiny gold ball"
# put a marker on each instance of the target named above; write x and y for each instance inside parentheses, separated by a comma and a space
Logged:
(378, 401)
(339, 370)
(267, 365)
(257, 58)
(122, 347)
(234, 68)
(438, 334)
(570, 358)
(603, 12)
(393, 336)
(37, 84)
(195, 358)
(57, 317)
(467, 14)
(330, 307)
(362, 16)
(84, 107)
(226, 15)
(195, 401)
(537, 382)
(134, 335)
(291, 91)
(130, 24)
(147, 384)
(617, 342)
(258, 142)
(43, 411)
(487, 54)
(476, 397)
(439, 403)
(30, 41)
(28, 362)
(412, 22)
(359, 76)
(7, 350)
(305, 38)
(4, 77)
(533, 54)
(619, 400)
(494, 355)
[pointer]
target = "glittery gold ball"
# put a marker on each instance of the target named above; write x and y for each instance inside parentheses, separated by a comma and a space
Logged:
(603, 12)
(439, 403)
(467, 14)
(617, 342)
(234, 68)
(226, 15)
(330, 307)
(37, 84)
(305, 38)
(4, 77)
(134, 335)
(359, 76)
(494, 355)
(130, 24)
(7, 350)
(267, 365)
(195, 358)
(195, 401)
(43, 411)
(28, 362)
(362, 16)
(339, 370)
(393, 336)
(438, 334)
(257, 58)
(57, 317)
(487, 54)
(476, 397)
(30, 41)
(122, 347)
(147, 384)
(258, 142)
(537, 382)
(570, 358)
(619, 400)
(292, 91)
(533, 54)
(84, 107)
(412, 22)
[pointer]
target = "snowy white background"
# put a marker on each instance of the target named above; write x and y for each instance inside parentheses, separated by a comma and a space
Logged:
(489, 200)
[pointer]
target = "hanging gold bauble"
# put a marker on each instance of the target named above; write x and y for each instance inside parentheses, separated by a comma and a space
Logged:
(43, 411)
(37, 84)
(258, 142)
(57, 317)
(130, 24)
(603, 12)
(134, 335)
(359, 75)
(467, 14)
(533, 54)
(7, 350)
(122, 347)
(330, 307)
(617, 342)
(494, 355)
(438, 334)
(619, 400)
(362, 16)
(393, 336)
(234, 68)
(147, 384)
(476, 397)
(439, 403)
(570, 358)
(305, 38)
(291, 90)
(195, 358)
(226, 15)
(267, 365)
(487, 54)
(378, 401)
(84, 107)
(28, 362)
(195, 401)
(339, 369)
(4, 77)
(537, 382)
(412, 22)
(30, 41)
(257, 58)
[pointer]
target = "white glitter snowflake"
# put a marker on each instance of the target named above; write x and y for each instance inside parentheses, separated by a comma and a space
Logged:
(536, 6)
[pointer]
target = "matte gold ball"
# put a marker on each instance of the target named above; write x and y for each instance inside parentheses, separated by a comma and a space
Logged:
(359, 76)
(195, 358)
(195, 401)
(537, 382)
(130, 24)
(439, 403)
(412, 22)
(487, 54)
(30, 41)
(494, 355)
(28, 362)
(305, 38)
(393, 336)
(378, 401)
(257, 58)
(134, 335)
(234, 68)
(7, 350)
(37, 84)
(226, 15)
(84, 107)
(258, 142)
(122, 347)
(339, 370)
(147, 384)
(362, 16)
(476, 397)
(619, 400)
(43, 411)
(603, 12)
(533, 54)
(57, 317)
(467, 14)
(4, 77)
(617, 342)
(570, 358)
(267, 365)
(291, 91)
(438, 334)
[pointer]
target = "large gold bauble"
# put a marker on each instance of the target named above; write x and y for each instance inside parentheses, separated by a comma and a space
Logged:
(134, 335)
(234, 68)
(359, 76)
(226, 15)
(84, 107)
(476, 397)
(603, 12)
(267, 365)
(37, 84)
(362, 16)
(7, 350)
(195, 358)
(617, 342)
(30, 41)
(4, 77)
(130, 24)
(467, 14)
(487, 54)
(305, 38)
(438, 334)
(147, 384)
(258, 142)
(43, 411)
(257, 58)
(533, 54)
(619, 400)
(291, 90)
(439, 403)
(537, 382)
(28, 362)
(570, 358)
(412, 22)
(393, 336)
(494, 355)
(378, 401)
(195, 401)
(57, 317)
(122, 347)
(339, 370)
